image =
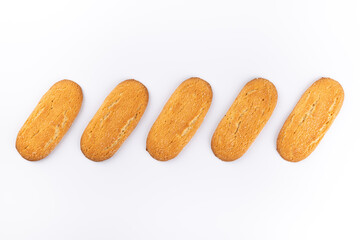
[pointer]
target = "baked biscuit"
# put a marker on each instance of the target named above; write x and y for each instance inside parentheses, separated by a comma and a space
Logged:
(244, 120)
(180, 118)
(50, 120)
(115, 120)
(310, 119)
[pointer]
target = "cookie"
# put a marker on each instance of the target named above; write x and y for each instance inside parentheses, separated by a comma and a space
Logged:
(49, 121)
(116, 118)
(244, 120)
(180, 118)
(310, 120)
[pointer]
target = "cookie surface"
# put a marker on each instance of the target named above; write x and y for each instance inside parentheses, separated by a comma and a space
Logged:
(310, 119)
(116, 118)
(180, 118)
(50, 120)
(244, 120)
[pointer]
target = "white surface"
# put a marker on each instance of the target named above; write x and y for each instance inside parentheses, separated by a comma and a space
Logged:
(195, 196)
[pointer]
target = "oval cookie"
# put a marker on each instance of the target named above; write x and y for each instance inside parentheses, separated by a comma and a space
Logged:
(49, 121)
(116, 118)
(180, 118)
(244, 120)
(310, 119)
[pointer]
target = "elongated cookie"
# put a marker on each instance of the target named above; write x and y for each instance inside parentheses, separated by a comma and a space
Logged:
(116, 118)
(244, 120)
(180, 118)
(310, 119)
(50, 120)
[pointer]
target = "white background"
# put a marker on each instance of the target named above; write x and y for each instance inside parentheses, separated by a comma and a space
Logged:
(194, 196)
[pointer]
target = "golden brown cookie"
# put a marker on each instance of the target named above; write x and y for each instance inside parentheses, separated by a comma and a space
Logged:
(244, 120)
(50, 120)
(115, 120)
(310, 119)
(180, 118)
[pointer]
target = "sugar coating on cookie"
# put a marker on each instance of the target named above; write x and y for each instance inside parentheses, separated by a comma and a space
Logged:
(116, 118)
(310, 119)
(244, 120)
(50, 120)
(179, 120)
